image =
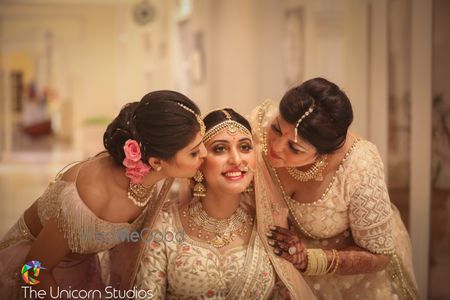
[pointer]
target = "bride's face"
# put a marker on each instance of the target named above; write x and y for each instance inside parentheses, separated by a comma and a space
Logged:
(230, 162)
(283, 151)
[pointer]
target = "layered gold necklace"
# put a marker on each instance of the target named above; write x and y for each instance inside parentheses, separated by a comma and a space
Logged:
(313, 173)
(217, 233)
(140, 195)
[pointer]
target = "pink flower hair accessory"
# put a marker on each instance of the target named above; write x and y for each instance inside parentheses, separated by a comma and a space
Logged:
(135, 168)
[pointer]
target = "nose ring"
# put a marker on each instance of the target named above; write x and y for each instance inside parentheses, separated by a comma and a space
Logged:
(244, 168)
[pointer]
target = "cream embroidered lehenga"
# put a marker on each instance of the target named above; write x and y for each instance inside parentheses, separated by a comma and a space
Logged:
(354, 210)
(82, 228)
(192, 269)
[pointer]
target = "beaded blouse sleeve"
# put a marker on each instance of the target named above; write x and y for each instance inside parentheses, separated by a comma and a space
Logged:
(152, 271)
(84, 231)
(61, 204)
(370, 212)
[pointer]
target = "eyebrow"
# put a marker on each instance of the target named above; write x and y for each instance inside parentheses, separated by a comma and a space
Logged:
(245, 139)
(227, 142)
(196, 146)
(219, 141)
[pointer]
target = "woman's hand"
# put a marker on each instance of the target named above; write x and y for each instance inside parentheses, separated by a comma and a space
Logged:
(287, 245)
(351, 260)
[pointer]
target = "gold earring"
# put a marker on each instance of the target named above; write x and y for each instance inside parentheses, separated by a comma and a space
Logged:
(250, 188)
(199, 187)
(156, 166)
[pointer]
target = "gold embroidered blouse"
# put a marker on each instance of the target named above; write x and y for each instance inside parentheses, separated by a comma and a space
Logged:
(356, 201)
(189, 269)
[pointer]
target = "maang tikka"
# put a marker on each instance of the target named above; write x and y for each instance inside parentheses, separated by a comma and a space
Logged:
(229, 124)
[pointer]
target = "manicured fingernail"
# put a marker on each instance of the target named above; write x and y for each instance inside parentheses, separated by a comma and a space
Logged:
(269, 234)
(273, 228)
(271, 242)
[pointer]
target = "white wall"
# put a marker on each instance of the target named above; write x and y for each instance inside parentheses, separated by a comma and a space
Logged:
(110, 60)
(83, 54)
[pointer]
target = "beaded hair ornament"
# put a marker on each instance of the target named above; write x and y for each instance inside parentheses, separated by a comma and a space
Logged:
(315, 172)
(307, 113)
(230, 125)
(198, 117)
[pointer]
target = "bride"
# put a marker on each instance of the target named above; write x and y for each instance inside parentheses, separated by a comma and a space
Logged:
(224, 254)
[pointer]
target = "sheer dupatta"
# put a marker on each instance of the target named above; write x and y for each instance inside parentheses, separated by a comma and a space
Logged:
(270, 207)
(124, 259)
(254, 283)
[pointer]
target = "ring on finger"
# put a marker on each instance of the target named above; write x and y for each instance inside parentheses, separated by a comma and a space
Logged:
(292, 250)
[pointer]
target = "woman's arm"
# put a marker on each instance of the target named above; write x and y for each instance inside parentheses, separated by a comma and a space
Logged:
(48, 248)
(355, 260)
(348, 261)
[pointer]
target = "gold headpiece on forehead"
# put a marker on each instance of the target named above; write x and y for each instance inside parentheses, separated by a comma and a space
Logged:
(307, 113)
(198, 117)
(230, 125)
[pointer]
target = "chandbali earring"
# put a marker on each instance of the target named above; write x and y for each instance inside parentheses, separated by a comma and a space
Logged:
(250, 188)
(199, 187)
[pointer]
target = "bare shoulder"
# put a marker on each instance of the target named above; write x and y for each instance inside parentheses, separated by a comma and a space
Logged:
(91, 184)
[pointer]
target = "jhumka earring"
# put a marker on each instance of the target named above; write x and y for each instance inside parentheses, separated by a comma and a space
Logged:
(199, 187)
(250, 188)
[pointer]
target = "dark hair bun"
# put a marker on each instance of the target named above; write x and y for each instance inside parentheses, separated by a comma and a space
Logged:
(326, 127)
(158, 123)
(118, 132)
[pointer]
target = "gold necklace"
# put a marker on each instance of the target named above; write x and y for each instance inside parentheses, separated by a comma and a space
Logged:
(224, 231)
(140, 195)
(315, 172)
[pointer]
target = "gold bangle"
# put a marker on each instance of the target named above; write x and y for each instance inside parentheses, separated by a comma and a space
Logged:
(333, 260)
(323, 263)
(317, 262)
(337, 263)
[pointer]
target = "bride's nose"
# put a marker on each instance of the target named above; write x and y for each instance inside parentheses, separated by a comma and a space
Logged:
(235, 157)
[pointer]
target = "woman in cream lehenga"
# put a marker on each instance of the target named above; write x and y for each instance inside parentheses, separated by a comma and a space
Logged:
(82, 212)
(346, 238)
(224, 253)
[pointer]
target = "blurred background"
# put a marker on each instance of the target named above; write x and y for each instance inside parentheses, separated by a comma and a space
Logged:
(68, 66)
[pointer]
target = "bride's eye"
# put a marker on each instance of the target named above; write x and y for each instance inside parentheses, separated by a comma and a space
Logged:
(246, 147)
(219, 149)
